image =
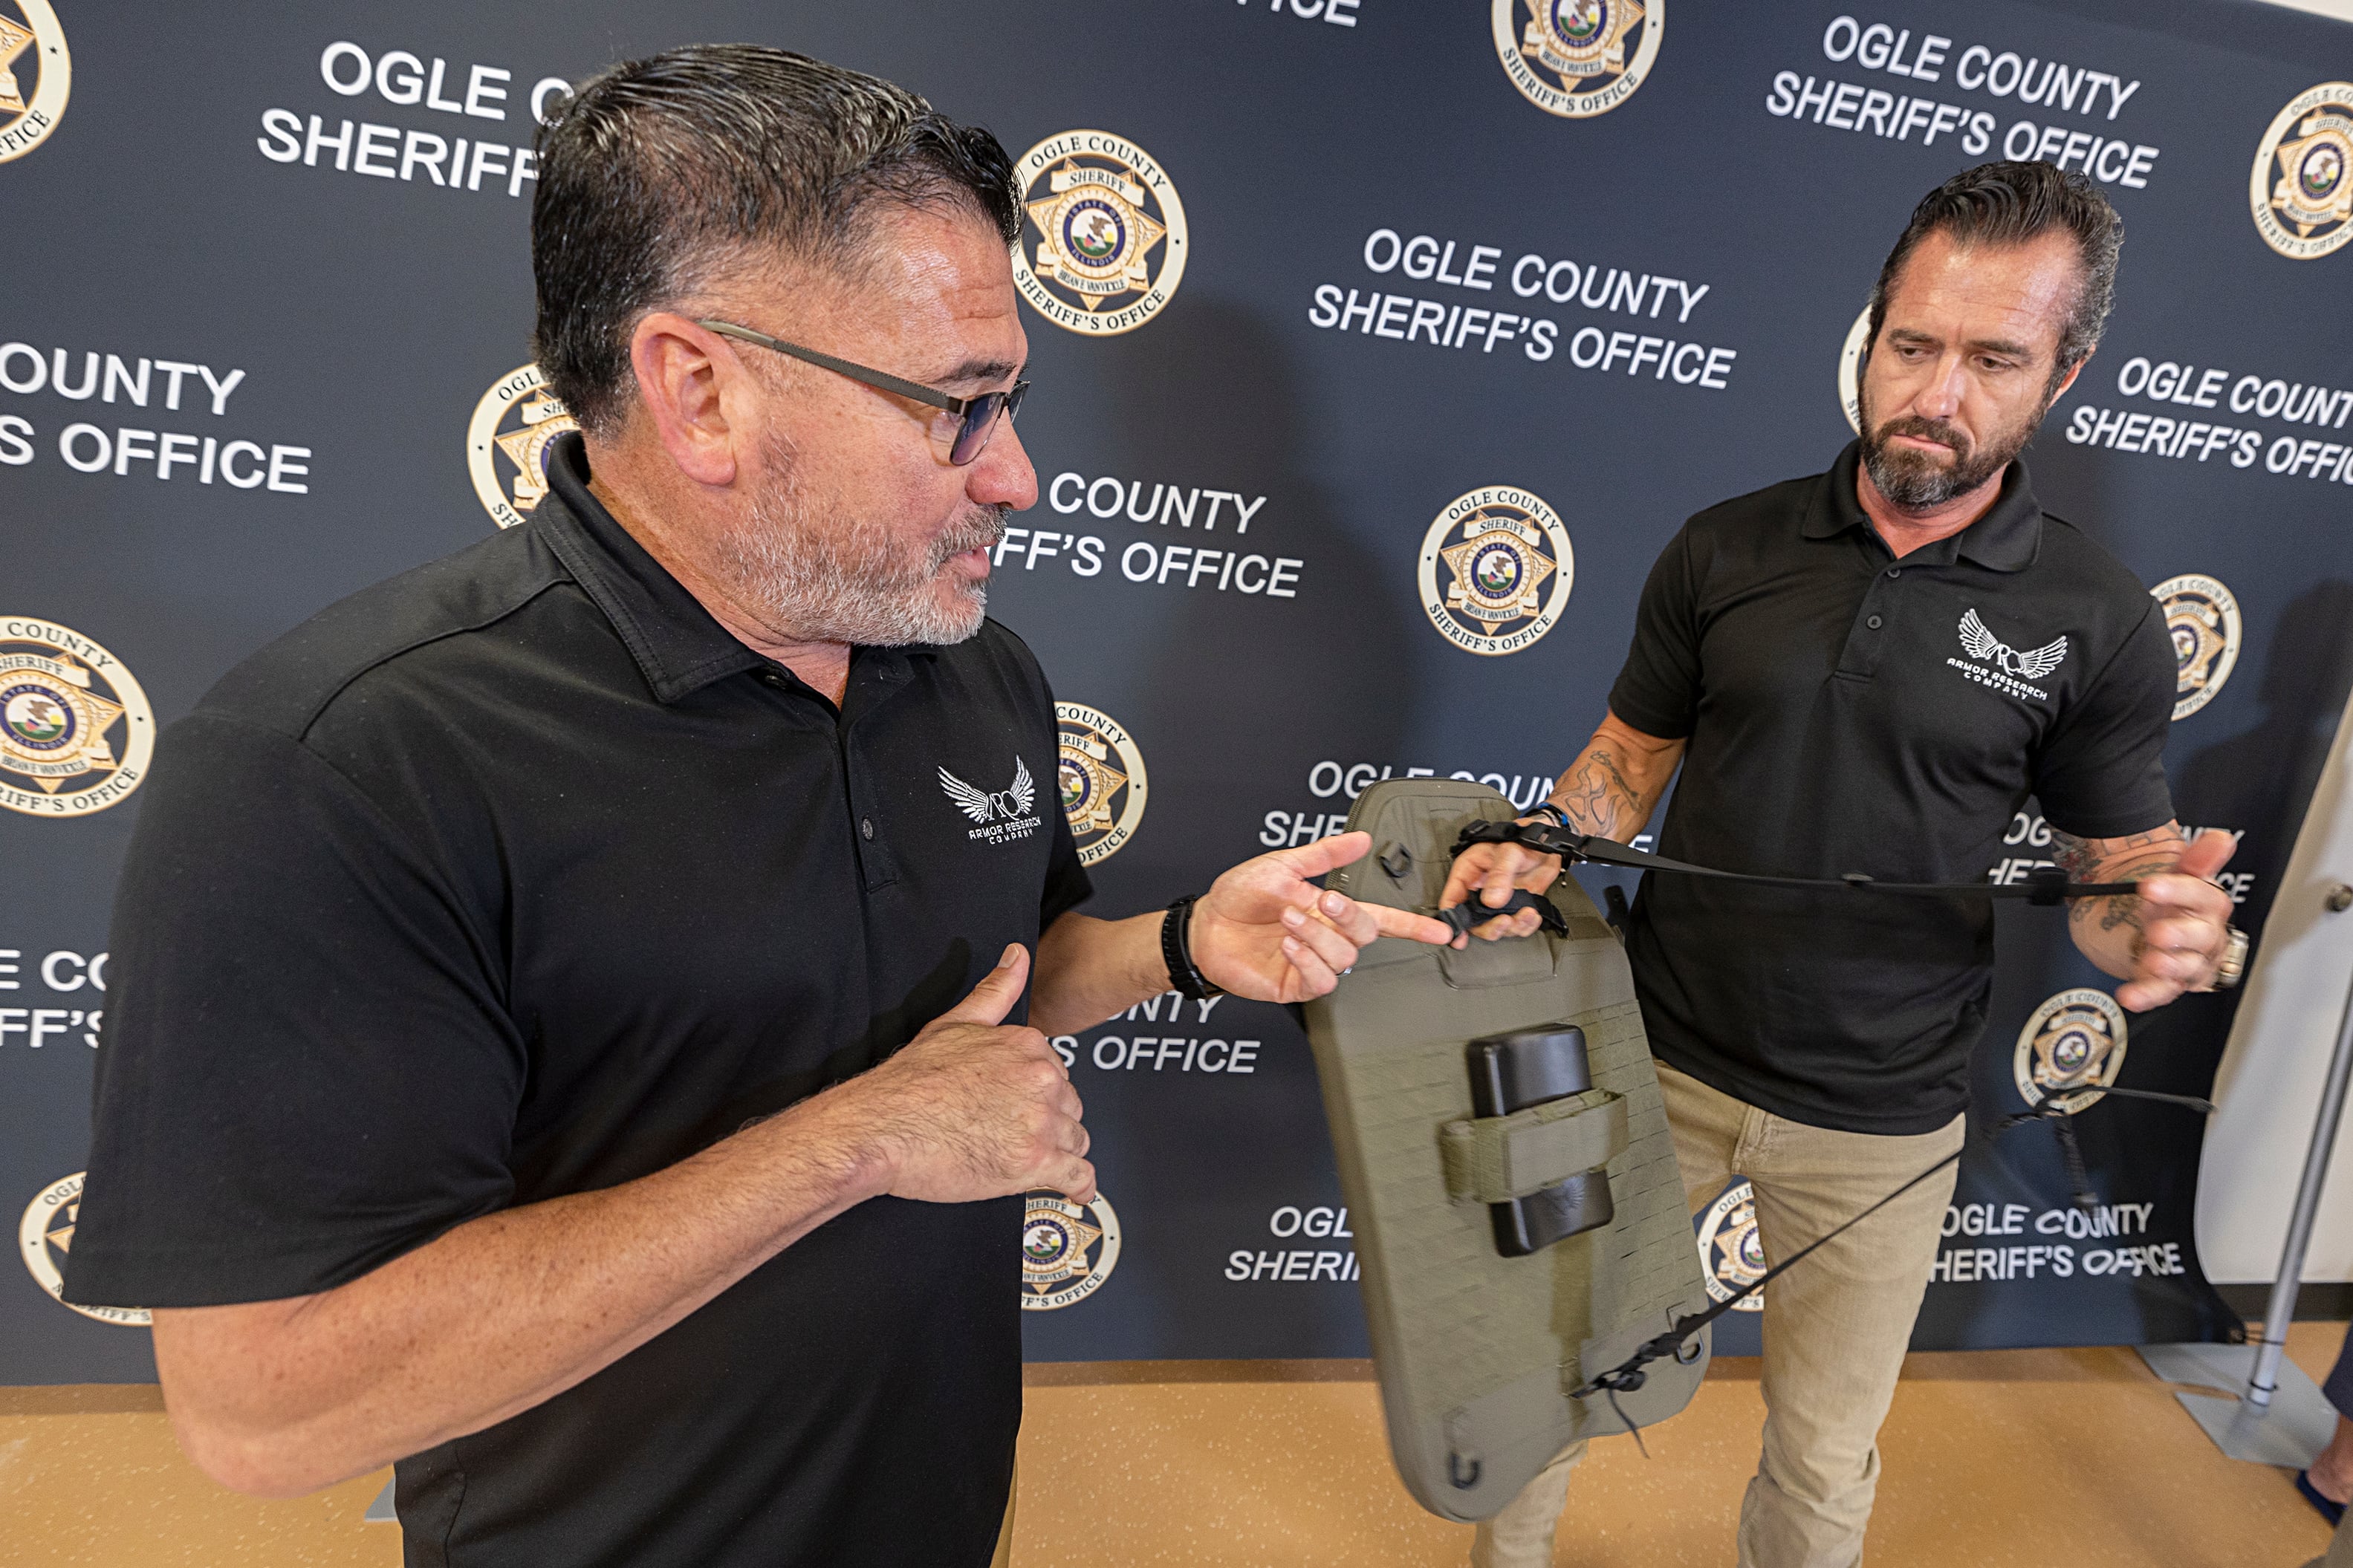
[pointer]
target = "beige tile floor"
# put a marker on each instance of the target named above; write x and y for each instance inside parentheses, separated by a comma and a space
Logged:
(1998, 1458)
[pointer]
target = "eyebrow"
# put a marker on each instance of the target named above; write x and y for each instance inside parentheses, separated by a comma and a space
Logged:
(981, 370)
(1992, 345)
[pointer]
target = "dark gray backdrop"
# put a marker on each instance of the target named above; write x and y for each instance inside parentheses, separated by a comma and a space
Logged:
(370, 315)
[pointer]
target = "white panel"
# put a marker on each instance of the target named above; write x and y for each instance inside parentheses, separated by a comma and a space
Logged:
(2269, 1083)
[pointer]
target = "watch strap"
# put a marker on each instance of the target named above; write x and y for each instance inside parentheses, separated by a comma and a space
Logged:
(1185, 977)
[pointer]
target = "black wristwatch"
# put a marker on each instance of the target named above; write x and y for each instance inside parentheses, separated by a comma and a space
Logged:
(1185, 977)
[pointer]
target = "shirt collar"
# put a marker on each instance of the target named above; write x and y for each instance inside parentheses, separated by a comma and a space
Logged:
(678, 648)
(2007, 538)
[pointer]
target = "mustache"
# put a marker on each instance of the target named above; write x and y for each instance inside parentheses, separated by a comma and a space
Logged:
(1936, 430)
(978, 530)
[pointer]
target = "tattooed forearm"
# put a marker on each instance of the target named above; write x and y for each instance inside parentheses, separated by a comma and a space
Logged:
(2072, 855)
(1597, 797)
(2099, 921)
(1617, 781)
(2095, 859)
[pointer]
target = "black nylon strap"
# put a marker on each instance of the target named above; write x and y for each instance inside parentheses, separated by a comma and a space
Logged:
(1464, 917)
(2043, 885)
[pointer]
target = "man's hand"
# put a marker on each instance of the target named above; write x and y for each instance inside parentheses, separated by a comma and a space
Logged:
(972, 1108)
(1262, 931)
(503, 1311)
(2184, 921)
(1492, 870)
(1609, 792)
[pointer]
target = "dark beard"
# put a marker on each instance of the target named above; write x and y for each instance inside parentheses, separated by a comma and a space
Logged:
(1913, 481)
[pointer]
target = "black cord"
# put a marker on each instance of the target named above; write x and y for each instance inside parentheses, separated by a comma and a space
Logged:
(1631, 1430)
(2071, 1155)
(1628, 1375)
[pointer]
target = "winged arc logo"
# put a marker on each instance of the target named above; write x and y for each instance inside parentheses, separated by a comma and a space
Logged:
(1014, 800)
(2033, 664)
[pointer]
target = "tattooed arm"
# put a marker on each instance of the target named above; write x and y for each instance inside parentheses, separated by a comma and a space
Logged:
(2164, 940)
(1610, 791)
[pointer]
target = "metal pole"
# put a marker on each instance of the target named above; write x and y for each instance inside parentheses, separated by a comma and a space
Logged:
(2282, 1309)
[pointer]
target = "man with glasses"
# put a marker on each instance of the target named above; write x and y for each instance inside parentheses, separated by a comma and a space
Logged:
(568, 1035)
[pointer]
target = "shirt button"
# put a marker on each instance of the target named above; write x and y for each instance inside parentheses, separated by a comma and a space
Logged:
(1872, 622)
(866, 828)
(1895, 571)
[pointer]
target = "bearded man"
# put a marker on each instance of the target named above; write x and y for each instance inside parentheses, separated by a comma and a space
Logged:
(1872, 671)
(570, 1034)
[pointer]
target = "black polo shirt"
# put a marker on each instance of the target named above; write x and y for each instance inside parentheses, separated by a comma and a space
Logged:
(1846, 712)
(515, 877)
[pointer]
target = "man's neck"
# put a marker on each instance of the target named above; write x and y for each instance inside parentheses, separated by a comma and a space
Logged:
(823, 666)
(1904, 530)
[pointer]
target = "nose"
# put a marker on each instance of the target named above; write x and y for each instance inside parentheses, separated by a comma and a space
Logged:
(1002, 474)
(1941, 398)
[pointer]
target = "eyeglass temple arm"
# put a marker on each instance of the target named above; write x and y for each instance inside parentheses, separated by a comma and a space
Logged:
(882, 379)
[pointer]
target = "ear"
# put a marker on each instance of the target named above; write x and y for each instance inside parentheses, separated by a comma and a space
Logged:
(688, 378)
(2065, 382)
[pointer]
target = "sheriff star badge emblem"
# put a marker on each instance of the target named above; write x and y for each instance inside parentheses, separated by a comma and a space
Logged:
(1577, 59)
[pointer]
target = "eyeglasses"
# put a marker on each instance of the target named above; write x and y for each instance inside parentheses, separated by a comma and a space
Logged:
(978, 415)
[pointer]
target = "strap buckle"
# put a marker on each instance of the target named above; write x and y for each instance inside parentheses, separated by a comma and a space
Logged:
(1543, 837)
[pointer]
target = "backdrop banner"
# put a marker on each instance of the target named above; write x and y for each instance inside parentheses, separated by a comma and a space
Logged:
(1379, 348)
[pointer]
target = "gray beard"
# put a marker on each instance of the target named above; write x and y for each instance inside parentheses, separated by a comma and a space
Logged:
(819, 575)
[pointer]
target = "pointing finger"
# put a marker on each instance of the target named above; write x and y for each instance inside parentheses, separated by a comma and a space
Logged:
(1411, 926)
(1349, 917)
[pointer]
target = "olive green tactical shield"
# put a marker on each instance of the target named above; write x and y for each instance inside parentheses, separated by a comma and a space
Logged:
(1477, 1351)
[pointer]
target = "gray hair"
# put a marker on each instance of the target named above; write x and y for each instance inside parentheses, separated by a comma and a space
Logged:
(661, 173)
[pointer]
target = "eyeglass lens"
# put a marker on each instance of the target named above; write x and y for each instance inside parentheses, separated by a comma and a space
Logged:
(980, 421)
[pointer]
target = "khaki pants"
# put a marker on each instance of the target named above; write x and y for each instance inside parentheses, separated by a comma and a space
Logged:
(1835, 1326)
(2340, 1547)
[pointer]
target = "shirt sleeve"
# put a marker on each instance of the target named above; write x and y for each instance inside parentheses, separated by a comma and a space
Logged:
(2101, 771)
(1658, 690)
(306, 1069)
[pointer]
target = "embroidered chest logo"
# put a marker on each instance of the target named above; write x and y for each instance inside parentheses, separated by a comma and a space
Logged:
(2006, 668)
(1003, 818)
